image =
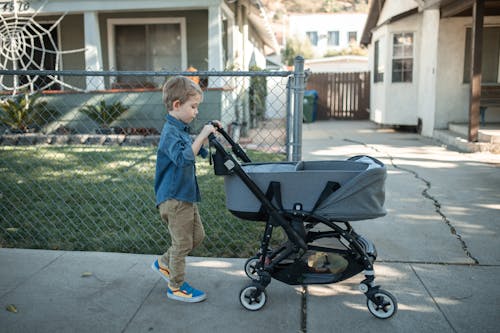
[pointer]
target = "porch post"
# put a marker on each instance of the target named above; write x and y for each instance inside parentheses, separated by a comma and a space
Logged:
(427, 72)
(475, 70)
(215, 38)
(93, 53)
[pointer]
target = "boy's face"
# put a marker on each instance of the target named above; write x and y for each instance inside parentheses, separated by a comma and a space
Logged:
(188, 111)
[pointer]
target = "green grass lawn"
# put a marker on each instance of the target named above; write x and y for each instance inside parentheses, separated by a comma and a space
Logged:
(101, 198)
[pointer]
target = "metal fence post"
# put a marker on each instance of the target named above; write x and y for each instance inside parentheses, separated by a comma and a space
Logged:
(289, 119)
(298, 100)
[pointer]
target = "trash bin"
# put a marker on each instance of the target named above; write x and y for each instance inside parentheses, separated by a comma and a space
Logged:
(310, 105)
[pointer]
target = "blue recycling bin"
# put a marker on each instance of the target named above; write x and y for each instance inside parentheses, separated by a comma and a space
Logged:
(310, 106)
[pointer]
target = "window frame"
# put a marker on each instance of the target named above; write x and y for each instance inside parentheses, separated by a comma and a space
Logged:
(316, 37)
(113, 22)
(349, 33)
(378, 75)
(403, 58)
(331, 40)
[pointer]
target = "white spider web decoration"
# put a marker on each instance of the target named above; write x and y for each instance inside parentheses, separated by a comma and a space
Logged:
(20, 37)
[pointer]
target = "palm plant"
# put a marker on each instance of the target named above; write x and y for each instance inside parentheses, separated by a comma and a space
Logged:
(23, 112)
(104, 114)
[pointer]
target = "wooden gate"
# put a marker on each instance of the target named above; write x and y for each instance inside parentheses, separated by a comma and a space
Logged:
(341, 95)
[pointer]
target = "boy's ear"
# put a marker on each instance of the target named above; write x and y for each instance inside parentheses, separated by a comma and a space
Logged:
(176, 104)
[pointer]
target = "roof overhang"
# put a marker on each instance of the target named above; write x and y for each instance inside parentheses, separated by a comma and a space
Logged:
(259, 20)
(448, 8)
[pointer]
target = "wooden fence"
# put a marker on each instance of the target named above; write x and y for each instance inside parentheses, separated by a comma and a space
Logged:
(341, 95)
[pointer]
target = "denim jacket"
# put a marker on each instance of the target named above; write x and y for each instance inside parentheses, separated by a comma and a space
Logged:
(175, 176)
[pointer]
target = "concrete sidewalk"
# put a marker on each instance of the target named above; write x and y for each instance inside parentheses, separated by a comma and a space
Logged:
(438, 254)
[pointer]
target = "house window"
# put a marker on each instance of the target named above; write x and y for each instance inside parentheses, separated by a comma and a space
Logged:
(41, 54)
(378, 65)
(146, 45)
(333, 38)
(490, 55)
(402, 57)
(313, 37)
(352, 37)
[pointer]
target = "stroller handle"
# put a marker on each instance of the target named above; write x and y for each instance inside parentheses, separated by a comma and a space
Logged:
(232, 165)
(235, 147)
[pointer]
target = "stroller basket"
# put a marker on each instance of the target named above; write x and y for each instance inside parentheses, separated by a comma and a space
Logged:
(358, 191)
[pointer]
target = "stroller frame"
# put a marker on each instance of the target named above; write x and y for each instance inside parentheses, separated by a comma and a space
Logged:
(286, 263)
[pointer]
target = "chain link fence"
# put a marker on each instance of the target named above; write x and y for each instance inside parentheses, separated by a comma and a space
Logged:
(77, 162)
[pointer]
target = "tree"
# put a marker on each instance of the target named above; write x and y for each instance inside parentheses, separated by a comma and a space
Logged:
(295, 47)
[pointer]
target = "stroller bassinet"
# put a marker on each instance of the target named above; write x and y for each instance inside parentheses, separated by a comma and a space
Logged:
(356, 188)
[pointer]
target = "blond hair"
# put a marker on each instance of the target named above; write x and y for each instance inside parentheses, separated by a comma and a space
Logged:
(179, 88)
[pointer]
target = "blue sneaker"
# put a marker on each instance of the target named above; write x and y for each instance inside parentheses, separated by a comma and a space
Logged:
(164, 272)
(186, 293)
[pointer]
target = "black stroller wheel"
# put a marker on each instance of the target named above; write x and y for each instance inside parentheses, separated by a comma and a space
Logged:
(252, 299)
(251, 268)
(385, 305)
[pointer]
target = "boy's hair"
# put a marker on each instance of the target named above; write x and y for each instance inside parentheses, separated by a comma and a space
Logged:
(179, 88)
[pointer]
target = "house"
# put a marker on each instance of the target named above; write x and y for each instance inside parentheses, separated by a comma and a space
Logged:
(327, 33)
(131, 35)
(147, 35)
(425, 58)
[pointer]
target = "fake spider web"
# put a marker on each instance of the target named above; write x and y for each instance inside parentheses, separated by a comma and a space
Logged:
(20, 38)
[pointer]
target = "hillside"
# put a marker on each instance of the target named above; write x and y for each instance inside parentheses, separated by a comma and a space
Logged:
(278, 8)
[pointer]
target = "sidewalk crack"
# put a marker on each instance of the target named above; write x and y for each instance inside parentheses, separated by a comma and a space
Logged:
(426, 195)
(125, 328)
(433, 299)
(21, 282)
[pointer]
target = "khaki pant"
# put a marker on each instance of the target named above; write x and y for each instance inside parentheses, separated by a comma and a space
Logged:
(186, 232)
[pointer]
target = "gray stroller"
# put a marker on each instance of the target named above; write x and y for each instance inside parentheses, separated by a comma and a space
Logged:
(314, 202)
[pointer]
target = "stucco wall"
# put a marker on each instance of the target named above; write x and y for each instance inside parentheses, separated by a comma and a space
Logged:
(452, 97)
(395, 103)
(393, 8)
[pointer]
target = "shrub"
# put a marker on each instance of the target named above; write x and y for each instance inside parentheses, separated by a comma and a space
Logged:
(24, 112)
(104, 114)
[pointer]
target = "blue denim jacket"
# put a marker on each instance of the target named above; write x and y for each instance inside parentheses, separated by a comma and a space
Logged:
(175, 176)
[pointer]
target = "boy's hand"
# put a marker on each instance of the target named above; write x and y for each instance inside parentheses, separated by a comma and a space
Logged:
(217, 124)
(207, 130)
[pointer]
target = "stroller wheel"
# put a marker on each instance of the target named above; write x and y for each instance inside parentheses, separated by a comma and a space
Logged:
(384, 306)
(252, 299)
(251, 268)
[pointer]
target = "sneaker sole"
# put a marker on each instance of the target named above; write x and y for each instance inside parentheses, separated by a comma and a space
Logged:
(187, 300)
(153, 267)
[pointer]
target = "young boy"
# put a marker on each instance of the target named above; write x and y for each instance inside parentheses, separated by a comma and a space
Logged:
(176, 186)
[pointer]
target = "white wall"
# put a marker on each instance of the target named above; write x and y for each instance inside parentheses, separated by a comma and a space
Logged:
(437, 94)
(426, 89)
(393, 8)
(395, 103)
(452, 95)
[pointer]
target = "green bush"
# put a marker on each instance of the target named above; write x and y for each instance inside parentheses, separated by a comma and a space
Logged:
(24, 112)
(104, 114)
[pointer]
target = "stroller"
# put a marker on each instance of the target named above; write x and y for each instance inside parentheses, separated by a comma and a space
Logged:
(314, 202)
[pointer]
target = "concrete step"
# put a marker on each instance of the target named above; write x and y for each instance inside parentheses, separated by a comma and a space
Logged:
(459, 141)
(489, 133)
